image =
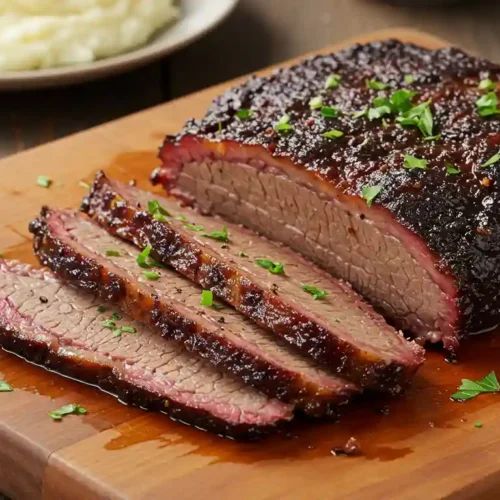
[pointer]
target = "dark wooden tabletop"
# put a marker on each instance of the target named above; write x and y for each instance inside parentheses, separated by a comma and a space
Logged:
(259, 33)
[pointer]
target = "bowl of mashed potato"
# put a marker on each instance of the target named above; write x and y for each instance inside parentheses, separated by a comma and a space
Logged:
(54, 42)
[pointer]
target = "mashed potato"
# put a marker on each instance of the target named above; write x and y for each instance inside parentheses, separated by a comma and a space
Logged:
(46, 33)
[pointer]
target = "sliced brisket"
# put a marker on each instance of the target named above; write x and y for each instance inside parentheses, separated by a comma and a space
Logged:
(65, 333)
(340, 330)
(427, 252)
(75, 248)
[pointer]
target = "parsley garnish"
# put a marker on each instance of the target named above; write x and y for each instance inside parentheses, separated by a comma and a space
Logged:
(419, 116)
(193, 227)
(487, 105)
(43, 181)
(272, 267)
(101, 309)
(112, 253)
(181, 218)
(218, 235)
(333, 134)
(71, 409)
(316, 102)
(145, 261)
(478, 425)
(329, 112)
(409, 79)
(283, 124)
(494, 159)
(124, 329)
(359, 114)
(381, 107)
(155, 209)
(433, 138)
(369, 193)
(470, 389)
(84, 185)
(332, 82)
(207, 298)
(220, 128)
(107, 323)
(376, 85)
(151, 275)
(411, 161)
(317, 293)
(244, 114)
(5, 387)
(116, 316)
(217, 306)
(450, 169)
(487, 84)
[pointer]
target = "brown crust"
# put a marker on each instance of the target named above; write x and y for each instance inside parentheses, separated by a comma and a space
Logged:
(109, 207)
(73, 263)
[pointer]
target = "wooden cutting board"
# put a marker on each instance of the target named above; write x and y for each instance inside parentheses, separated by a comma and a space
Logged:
(423, 445)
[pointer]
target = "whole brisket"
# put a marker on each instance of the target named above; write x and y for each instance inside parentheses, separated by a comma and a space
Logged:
(76, 249)
(427, 251)
(330, 323)
(65, 330)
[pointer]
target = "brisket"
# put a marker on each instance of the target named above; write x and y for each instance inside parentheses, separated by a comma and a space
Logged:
(427, 252)
(75, 248)
(340, 330)
(64, 332)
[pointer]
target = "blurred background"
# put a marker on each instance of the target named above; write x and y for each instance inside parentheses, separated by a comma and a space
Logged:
(258, 33)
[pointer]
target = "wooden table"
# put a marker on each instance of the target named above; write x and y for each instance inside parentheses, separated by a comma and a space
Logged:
(260, 33)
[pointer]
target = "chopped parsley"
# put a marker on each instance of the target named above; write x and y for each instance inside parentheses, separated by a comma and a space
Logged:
(220, 128)
(409, 79)
(283, 124)
(451, 169)
(194, 227)
(5, 387)
(359, 114)
(116, 316)
(151, 275)
(381, 107)
(124, 329)
(470, 389)
(101, 309)
(333, 134)
(145, 261)
(317, 293)
(332, 82)
(329, 112)
(494, 159)
(419, 116)
(316, 102)
(107, 323)
(411, 162)
(43, 181)
(181, 218)
(71, 409)
(487, 105)
(478, 425)
(244, 114)
(487, 84)
(369, 193)
(217, 307)
(112, 253)
(376, 85)
(207, 298)
(433, 138)
(218, 235)
(155, 209)
(272, 267)
(84, 185)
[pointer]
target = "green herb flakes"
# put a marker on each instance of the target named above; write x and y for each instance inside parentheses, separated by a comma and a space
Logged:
(369, 193)
(359, 114)
(478, 425)
(376, 85)
(193, 227)
(487, 105)
(451, 169)
(329, 112)
(283, 124)
(333, 134)
(124, 329)
(409, 79)
(317, 293)
(470, 389)
(112, 253)
(151, 275)
(5, 387)
(316, 102)
(116, 316)
(155, 208)
(207, 298)
(101, 309)
(272, 267)
(487, 84)
(218, 235)
(71, 409)
(419, 116)
(244, 114)
(109, 324)
(494, 159)
(332, 82)
(181, 218)
(43, 181)
(412, 162)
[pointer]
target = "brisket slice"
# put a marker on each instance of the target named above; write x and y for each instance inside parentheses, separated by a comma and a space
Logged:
(427, 252)
(341, 330)
(75, 247)
(62, 329)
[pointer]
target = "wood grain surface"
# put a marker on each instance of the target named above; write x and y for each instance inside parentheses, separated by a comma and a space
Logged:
(420, 446)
